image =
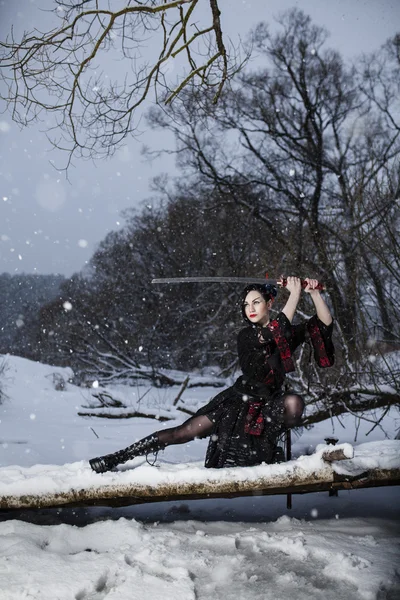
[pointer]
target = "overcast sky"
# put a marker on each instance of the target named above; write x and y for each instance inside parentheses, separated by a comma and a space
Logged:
(50, 225)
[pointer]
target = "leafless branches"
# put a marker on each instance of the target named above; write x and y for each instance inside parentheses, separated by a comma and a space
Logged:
(67, 72)
(3, 370)
(318, 142)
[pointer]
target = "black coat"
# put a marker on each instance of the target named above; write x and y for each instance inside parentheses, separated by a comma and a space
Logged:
(248, 416)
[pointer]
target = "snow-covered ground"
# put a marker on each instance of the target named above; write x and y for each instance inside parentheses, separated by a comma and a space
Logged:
(344, 547)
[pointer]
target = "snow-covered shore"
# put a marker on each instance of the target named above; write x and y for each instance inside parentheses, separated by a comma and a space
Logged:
(245, 548)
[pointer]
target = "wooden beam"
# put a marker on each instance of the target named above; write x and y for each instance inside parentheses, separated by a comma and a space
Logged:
(130, 494)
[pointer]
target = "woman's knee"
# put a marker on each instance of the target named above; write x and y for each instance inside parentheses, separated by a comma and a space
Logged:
(293, 402)
(293, 409)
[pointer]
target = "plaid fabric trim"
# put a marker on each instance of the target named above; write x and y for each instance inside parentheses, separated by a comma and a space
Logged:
(283, 345)
(254, 419)
(321, 355)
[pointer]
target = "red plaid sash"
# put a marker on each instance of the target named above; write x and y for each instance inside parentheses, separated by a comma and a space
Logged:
(254, 419)
(318, 342)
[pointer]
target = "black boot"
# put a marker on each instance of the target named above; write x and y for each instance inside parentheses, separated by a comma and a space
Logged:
(105, 463)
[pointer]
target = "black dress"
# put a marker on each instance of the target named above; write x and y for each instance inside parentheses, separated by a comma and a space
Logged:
(248, 416)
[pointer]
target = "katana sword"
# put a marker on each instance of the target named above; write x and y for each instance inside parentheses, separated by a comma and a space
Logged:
(282, 282)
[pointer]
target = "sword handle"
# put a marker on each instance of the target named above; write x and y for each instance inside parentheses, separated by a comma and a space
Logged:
(283, 283)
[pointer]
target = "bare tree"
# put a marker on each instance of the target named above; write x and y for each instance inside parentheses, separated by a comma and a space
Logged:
(64, 72)
(301, 132)
(319, 145)
(381, 82)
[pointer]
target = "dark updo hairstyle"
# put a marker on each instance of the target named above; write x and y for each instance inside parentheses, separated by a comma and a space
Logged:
(267, 291)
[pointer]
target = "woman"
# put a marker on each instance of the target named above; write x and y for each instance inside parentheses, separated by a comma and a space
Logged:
(245, 420)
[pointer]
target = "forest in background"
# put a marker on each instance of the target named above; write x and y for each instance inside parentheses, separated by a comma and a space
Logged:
(295, 170)
(21, 297)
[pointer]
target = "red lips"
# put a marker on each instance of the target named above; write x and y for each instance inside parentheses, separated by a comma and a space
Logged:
(253, 315)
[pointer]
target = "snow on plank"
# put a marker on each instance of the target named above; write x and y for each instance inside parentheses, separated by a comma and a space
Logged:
(40, 486)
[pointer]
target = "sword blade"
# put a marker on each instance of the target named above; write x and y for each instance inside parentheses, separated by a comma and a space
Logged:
(242, 280)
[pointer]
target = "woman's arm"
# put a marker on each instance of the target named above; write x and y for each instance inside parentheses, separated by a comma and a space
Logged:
(322, 310)
(294, 287)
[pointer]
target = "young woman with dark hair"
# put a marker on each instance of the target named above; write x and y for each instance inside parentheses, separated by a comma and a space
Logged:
(245, 421)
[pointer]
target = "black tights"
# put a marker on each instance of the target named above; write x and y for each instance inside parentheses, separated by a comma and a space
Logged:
(195, 427)
(201, 426)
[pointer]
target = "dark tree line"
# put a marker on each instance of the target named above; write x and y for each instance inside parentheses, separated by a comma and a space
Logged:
(296, 171)
(113, 320)
(21, 297)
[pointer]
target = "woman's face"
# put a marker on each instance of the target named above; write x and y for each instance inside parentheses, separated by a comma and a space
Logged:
(256, 308)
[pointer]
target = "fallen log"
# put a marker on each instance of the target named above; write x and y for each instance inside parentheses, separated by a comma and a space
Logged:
(76, 485)
(127, 495)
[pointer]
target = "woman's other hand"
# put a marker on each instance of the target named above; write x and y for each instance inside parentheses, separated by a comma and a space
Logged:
(323, 312)
(312, 285)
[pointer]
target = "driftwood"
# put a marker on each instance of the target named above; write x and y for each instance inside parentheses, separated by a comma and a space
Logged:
(293, 480)
(129, 415)
(187, 411)
(183, 388)
(106, 399)
(355, 401)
